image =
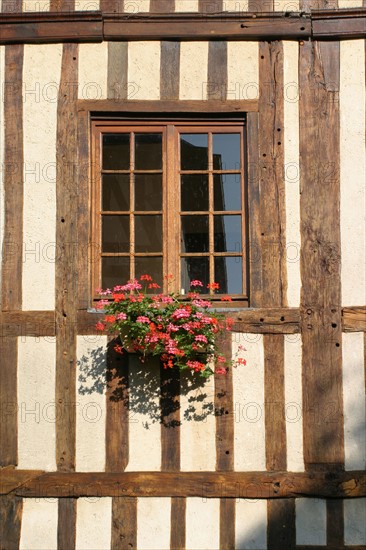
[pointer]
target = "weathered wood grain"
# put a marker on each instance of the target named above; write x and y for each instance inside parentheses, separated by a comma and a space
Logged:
(11, 508)
(66, 267)
(261, 485)
(66, 526)
(62, 5)
(117, 83)
(9, 401)
(281, 529)
(85, 255)
(335, 524)
(169, 70)
(354, 319)
(275, 420)
(162, 6)
(124, 523)
(258, 6)
(178, 523)
(224, 410)
(210, 6)
(170, 106)
(320, 256)
(217, 71)
(12, 266)
(170, 418)
(117, 421)
(227, 523)
(112, 6)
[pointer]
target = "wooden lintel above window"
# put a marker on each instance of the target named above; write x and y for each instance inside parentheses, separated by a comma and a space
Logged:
(88, 26)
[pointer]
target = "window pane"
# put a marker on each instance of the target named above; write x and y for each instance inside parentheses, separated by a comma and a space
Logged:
(227, 234)
(228, 273)
(194, 192)
(150, 266)
(194, 151)
(227, 192)
(116, 151)
(148, 234)
(193, 269)
(115, 234)
(148, 151)
(226, 151)
(148, 192)
(115, 271)
(116, 192)
(194, 233)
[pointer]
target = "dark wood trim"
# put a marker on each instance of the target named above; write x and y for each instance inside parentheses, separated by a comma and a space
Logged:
(256, 321)
(335, 523)
(11, 509)
(224, 410)
(281, 527)
(178, 523)
(124, 523)
(217, 70)
(169, 106)
(256, 485)
(169, 70)
(67, 267)
(162, 6)
(170, 419)
(320, 256)
(66, 524)
(227, 523)
(83, 221)
(88, 26)
(117, 405)
(12, 260)
(117, 83)
(9, 401)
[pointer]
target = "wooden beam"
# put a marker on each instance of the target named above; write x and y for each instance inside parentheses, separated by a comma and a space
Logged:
(88, 26)
(253, 485)
(11, 509)
(320, 259)
(214, 106)
(354, 319)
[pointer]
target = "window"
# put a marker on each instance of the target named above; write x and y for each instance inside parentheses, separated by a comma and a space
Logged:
(169, 198)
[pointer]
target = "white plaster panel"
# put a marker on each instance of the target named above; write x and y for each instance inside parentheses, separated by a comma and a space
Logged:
(235, 5)
(198, 426)
(202, 523)
(2, 144)
(144, 70)
(193, 70)
(144, 416)
(311, 521)
(36, 401)
(136, 6)
(355, 521)
(186, 5)
(286, 5)
(242, 70)
(354, 400)
(36, 6)
(93, 71)
(350, 3)
(293, 402)
(353, 172)
(41, 80)
(93, 523)
(251, 524)
(90, 403)
(249, 413)
(87, 5)
(39, 524)
(153, 523)
(291, 144)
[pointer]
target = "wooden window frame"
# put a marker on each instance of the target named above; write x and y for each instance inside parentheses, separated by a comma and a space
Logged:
(110, 109)
(171, 129)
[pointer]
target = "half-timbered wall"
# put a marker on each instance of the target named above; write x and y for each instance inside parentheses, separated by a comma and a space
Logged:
(273, 455)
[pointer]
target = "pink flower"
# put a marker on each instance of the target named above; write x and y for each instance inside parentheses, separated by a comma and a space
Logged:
(121, 316)
(196, 366)
(201, 303)
(201, 338)
(220, 370)
(101, 304)
(180, 314)
(196, 283)
(142, 319)
(166, 299)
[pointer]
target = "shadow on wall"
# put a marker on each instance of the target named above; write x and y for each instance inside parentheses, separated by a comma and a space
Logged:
(145, 388)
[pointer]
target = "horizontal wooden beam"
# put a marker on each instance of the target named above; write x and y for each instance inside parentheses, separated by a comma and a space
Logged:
(257, 321)
(258, 485)
(340, 24)
(169, 106)
(89, 26)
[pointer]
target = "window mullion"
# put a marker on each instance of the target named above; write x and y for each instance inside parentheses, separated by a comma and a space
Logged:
(132, 206)
(172, 221)
(211, 209)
